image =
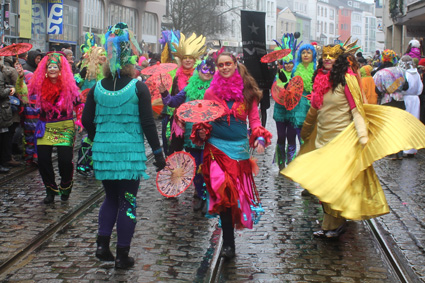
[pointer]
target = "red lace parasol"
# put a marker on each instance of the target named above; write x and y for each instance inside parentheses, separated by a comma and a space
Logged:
(15, 49)
(275, 55)
(177, 174)
(290, 96)
(196, 111)
(158, 69)
(157, 107)
(155, 80)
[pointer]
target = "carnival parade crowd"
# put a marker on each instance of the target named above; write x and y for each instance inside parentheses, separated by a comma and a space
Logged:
(348, 115)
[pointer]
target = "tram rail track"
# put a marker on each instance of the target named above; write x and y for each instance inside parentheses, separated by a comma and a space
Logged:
(14, 261)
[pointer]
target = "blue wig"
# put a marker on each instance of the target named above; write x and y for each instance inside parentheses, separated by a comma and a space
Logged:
(300, 50)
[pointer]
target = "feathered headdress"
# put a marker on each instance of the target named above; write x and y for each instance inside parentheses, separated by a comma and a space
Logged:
(193, 46)
(351, 47)
(288, 41)
(168, 37)
(89, 42)
(121, 46)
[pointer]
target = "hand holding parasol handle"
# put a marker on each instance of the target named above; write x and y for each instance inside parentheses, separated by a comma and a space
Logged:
(161, 86)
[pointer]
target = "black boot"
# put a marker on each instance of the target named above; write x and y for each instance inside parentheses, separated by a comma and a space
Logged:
(65, 191)
(123, 261)
(51, 191)
(50, 198)
(103, 252)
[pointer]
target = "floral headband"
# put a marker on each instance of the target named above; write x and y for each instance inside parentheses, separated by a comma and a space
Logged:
(54, 58)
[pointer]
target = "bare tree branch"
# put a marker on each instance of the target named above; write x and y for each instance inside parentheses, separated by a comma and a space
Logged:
(204, 17)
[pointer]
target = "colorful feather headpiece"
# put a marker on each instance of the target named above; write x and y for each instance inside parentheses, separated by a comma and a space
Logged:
(193, 46)
(89, 42)
(168, 37)
(288, 42)
(121, 46)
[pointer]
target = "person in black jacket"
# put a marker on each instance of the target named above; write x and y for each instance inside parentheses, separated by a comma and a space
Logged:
(34, 57)
(5, 120)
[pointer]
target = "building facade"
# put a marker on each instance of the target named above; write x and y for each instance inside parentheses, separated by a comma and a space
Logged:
(28, 21)
(402, 21)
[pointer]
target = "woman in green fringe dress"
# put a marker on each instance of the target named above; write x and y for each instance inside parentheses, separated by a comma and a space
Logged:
(117, 116)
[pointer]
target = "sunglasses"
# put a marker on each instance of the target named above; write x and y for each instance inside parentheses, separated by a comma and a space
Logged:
(227, 64)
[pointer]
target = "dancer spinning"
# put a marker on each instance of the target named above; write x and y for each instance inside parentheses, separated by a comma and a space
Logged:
(57, 98)
(117, 115)
(227, 167)
(195, 90)
(336, 163)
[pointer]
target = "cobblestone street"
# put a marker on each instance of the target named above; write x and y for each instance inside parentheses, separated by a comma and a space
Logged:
(172, 243)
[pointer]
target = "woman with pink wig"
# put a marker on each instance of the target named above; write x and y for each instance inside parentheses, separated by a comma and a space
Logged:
(57, 98)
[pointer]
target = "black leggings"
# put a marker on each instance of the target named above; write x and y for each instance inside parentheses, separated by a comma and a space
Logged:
(65, 164)
(227, 227)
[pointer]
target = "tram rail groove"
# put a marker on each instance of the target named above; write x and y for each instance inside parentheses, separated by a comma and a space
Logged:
(13, 262)
(404, 273)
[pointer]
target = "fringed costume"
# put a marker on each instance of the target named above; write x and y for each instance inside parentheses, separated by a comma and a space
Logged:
(117, 117)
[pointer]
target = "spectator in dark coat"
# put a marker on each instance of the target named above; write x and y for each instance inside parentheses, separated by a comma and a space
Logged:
(34, 57)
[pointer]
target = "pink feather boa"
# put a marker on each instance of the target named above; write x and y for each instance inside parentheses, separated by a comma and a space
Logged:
(183, 77)
(322, 84)
(228, 88)
(69, 91)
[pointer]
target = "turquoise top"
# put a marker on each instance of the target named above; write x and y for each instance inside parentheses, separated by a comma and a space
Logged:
(118, 146)
(231, 139)
(295, 116)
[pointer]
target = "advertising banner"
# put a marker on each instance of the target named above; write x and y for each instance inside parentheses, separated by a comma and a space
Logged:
(25, 12)
(38, 17)
(55, 17)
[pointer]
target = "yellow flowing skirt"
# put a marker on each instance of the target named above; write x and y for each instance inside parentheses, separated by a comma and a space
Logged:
(341, 174)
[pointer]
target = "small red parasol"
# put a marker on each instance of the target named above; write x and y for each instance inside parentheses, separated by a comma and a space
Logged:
(157, 107)
(196, 111)
(275, 55)
(154, 81)
(177, 174)
(15, 49)
(158, 68)
(290, 96)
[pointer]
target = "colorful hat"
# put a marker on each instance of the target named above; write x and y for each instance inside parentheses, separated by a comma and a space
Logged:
(388, 55)
(193, 46)
(288, 41)
(121, 46)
